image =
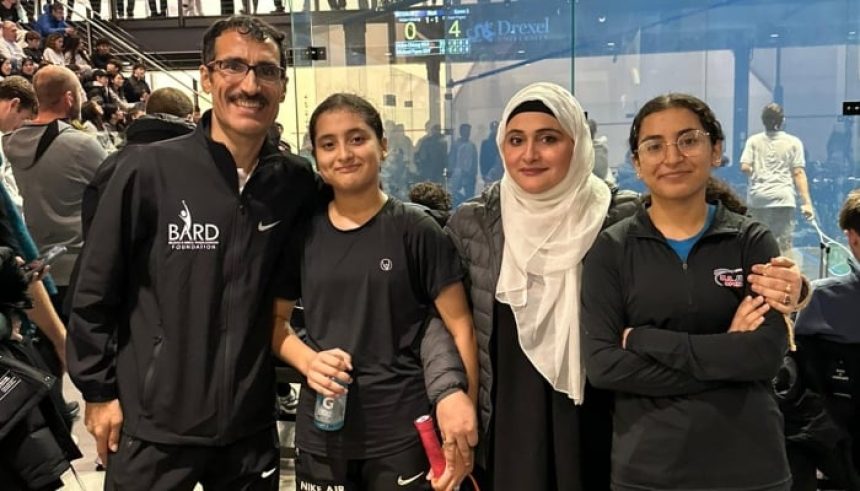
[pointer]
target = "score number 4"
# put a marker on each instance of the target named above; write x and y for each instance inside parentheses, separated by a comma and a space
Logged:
(410, 30)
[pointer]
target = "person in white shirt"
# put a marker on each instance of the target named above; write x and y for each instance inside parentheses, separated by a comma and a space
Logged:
(53, 53)
(9, 47)
(773, 159)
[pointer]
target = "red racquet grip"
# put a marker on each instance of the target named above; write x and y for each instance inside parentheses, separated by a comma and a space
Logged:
(427, 432)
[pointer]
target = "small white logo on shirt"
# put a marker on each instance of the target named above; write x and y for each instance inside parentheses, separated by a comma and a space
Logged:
(268, 473)
(405, 482)
(385, 264)
(190, 235)
(263, 228)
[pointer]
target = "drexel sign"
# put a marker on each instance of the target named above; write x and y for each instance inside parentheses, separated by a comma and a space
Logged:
(507, 31)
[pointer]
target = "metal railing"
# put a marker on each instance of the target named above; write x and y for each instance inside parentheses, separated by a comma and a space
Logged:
(127, 49)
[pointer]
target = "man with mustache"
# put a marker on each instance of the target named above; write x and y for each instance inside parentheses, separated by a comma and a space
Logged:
(171, 327)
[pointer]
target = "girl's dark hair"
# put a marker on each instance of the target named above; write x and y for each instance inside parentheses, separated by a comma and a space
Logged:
(347, 102)
(89, 112)
(52, 38)
(71, 45)
(716, 190)
(110, 109)
(675, 100)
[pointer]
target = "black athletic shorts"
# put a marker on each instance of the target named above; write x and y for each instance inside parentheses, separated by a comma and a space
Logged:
(404, 471)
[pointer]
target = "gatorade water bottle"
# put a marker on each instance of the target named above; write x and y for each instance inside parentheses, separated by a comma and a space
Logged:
(330, 412)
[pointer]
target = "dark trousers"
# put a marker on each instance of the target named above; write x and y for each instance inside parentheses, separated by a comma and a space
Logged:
(119, 5)
(836, 465)
(153, 10)
(279, 5)
(250, 464)
(129, 9)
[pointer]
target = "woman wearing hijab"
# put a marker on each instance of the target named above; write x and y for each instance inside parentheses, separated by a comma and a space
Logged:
(523, 241)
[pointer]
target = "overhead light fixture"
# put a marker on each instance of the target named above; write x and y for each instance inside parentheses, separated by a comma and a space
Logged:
(774, 35)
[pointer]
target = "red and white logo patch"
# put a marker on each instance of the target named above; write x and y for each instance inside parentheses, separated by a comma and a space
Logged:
(730, 278)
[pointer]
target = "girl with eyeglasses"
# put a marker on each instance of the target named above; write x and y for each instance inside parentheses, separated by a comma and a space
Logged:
(672, 326)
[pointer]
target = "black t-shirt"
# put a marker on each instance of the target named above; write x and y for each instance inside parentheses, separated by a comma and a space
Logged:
(10, 14)
(369, 291)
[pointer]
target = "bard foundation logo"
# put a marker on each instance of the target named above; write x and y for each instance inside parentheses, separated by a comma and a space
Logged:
(190, 236)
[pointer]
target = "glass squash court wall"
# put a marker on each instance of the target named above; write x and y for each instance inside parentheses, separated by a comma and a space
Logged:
(450, 65)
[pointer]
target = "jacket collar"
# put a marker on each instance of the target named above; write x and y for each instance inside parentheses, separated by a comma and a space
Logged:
(163, 125)
(725, 222)
(221, 155)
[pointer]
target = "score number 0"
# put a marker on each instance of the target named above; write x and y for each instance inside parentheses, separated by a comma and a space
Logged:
(410, 30)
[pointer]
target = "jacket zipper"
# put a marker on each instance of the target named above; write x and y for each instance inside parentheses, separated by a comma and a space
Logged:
(150, 373)
(689, 288)
(686, 267)
(685, 264)
(234, 265)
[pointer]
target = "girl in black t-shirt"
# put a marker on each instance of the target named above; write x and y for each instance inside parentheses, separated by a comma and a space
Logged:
(372, 270)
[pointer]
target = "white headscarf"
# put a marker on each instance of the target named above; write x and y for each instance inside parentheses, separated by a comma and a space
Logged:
(546, 237)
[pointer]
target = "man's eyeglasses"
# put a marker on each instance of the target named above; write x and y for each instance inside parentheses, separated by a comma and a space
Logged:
(235, 69)
(690, 144)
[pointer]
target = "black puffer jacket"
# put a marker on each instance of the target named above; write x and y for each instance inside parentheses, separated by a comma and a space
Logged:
(35, 450)
(476, 229)
(39, 449)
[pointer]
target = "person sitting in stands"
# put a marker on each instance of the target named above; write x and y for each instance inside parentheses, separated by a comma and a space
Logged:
(32, 46)
(52, 21)
(53, 53)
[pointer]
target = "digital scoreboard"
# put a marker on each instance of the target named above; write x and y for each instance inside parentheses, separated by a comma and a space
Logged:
(432, 32)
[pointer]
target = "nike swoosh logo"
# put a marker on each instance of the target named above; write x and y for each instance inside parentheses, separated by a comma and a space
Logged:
(263, 228)
(268, 473)
(404, 482)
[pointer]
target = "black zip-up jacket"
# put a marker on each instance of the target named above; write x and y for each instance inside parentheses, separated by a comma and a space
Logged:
(694, 405)
(181, 270)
